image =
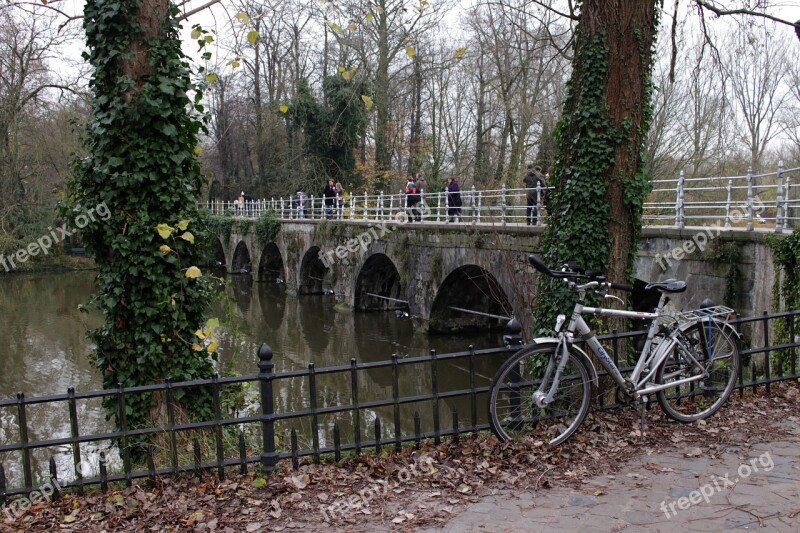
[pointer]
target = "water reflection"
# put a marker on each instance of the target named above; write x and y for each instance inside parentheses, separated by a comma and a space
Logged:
(44, 350)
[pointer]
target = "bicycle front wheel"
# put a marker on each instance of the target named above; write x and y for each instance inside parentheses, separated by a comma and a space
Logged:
(512, 411)
(714, 345)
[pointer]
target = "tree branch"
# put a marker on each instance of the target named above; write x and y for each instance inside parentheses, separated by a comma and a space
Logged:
(197, 9)
(706, 4)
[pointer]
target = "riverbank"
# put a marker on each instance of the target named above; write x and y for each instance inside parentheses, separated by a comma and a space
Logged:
(51, 264)
(477, 480)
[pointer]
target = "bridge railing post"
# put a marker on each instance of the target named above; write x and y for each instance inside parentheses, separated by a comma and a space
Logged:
(283, 209)
(728, 204)
(480, 207)
(391, 205)
(749, 206)
(473, 204)
(679, 222)
(779, 200)
(352, 206)
(786, 205)
(366, 206)
(439, 206)
(380, 206)
(503, 201)
(538, 203)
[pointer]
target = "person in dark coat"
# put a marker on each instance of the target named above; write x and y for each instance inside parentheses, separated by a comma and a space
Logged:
(453, 199)
(533, 178)
(329, 193)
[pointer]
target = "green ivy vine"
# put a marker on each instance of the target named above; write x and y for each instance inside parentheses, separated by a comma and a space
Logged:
(587, 140)
(142, 142)
(267, 227)
(786, 291)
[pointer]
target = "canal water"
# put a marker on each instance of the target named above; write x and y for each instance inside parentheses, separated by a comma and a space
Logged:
(44, 349)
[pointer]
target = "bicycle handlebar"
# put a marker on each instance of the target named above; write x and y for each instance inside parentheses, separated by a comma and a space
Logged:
(569, 273)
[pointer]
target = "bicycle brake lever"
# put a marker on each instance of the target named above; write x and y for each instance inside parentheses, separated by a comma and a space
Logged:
(614, 297)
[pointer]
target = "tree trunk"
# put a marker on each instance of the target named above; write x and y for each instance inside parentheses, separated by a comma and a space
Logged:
(599, 172)
(382, 152)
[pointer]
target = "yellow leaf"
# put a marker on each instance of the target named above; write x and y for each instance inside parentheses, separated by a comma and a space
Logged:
(182, 225)
(410, 51)
(164, 249)
(242, 17)
(459, 52)
(212, 78)
(164, 230)
(367, 100)
(342, 69)
(284, 108)
(352, 26)
(196, 33)
(208, 39)
(187, 236)
(196, 347)
(369, 17)
(252, 37)
(173, 301)
(212, 323)
(212, 346)
(233, 63)
(198, 150)
(378, 9)
(193, 272)
(335, 27)
(200, 335)
(348, 75)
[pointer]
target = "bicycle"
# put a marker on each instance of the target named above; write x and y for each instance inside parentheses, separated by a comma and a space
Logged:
(690, 362)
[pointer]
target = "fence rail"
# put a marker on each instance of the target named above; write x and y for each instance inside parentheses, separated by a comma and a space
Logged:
(323, 424)
(770, 201)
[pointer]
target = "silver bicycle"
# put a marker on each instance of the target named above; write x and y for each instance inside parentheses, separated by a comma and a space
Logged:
(690, 362)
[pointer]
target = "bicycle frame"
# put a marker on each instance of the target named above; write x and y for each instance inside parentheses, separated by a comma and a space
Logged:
(579, 330)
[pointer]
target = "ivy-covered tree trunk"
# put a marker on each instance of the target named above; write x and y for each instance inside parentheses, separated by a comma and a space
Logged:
(599, 173)
(141, 182)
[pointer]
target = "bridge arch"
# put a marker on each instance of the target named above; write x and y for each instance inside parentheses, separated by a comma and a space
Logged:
(271, 267)
(240, 264)
(314, 275)
(378, 275)
(469, 287)
(217, 257)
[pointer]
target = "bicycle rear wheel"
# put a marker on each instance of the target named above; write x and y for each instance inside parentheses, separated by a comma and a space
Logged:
(714, 345)
(512, 411)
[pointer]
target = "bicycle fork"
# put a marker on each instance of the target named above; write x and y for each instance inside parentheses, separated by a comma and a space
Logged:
(540, 397)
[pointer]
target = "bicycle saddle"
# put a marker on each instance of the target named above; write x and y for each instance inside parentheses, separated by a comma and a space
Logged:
(668, 285)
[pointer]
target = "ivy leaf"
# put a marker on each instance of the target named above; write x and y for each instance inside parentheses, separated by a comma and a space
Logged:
(196, 33)
(196, 347)
(198, 150)
(284, 108)
(252, 36)
(367, 100)
(212, 78)
(193, 272)
(335, 27)
(212, 346)
(182, 225)
(200, 335)
(348, 74)
(164, 230)
(208, 39)
(410, 52)
(188, 237)
(342, 69)
(242, 17)
(164, 249)
(369, 17)
(459, 52)
(233, 63)
(212, 324)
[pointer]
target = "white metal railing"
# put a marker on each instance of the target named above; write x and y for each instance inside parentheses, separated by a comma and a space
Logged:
(768, 201)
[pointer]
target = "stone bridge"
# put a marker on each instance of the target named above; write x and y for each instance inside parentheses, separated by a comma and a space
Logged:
(433, 269)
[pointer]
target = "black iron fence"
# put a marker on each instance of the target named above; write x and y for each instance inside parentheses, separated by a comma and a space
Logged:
(270, 416)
